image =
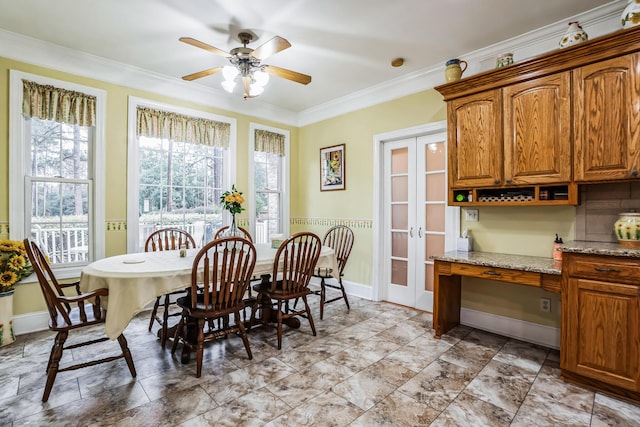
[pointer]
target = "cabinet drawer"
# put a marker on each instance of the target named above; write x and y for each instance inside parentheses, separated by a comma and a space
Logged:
(625, 270)
(500, 274)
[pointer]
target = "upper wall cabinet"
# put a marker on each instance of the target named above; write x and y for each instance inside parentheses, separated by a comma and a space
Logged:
(475, 140)
(537, 132)
(530, 131)
(607, 119)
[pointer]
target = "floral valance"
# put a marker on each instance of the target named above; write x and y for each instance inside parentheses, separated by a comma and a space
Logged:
(52, 103)
(269, 142)
(178, 127)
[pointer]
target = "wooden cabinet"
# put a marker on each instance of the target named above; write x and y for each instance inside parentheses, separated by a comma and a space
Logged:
(537, 132)
(475, 140)
(607, 119)
(569, 116)
(600, 315)
(516, 135)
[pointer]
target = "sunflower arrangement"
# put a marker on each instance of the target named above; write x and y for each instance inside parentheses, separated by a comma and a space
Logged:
(14, 264)
(232, 200)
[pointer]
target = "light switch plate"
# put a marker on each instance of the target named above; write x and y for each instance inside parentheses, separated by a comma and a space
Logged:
(471, 215)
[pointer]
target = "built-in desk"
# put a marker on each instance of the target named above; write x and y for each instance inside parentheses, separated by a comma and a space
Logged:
(449, 267)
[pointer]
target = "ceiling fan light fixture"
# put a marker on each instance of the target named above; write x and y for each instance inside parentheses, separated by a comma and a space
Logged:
(228, 85)
(255, 90)
(229, 72)
(260, 77)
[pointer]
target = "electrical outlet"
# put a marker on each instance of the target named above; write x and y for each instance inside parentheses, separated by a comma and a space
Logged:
(471, 215)
(545, 305)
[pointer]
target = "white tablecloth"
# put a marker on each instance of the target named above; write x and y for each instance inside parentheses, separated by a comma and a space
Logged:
(135, 280)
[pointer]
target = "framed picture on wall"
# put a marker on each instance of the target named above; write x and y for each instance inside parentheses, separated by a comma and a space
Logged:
(332, 168)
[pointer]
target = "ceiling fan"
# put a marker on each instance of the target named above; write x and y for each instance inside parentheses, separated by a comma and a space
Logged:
(247, 63)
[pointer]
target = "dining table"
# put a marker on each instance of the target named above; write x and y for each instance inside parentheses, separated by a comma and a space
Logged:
(135, 280)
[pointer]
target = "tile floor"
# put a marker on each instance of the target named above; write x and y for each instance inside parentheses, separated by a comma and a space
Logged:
(377, 365)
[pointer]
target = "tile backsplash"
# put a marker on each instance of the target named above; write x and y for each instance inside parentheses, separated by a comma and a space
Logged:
(599, 207)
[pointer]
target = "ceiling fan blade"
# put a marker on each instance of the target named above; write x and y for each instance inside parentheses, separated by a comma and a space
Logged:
(203, 73)
(271, 47)
(288, 74)
(201, 45)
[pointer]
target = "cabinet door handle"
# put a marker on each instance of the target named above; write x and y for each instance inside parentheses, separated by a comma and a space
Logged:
(634, 172)
(606, 270)
(491, 273)
(508, 180)
(420, 232)
(496, 181)
(411, 232)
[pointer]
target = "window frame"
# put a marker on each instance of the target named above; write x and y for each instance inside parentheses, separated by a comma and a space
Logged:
(19, 167)
(133, 194)
(285, 177)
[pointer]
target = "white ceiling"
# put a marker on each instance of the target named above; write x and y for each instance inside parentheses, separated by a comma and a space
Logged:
(345, 45)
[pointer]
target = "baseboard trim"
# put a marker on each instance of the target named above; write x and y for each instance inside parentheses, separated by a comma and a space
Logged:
(535, 333)
(31, 322)
(353, 288)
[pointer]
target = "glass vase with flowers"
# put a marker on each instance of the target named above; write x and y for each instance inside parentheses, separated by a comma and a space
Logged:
(232, 201)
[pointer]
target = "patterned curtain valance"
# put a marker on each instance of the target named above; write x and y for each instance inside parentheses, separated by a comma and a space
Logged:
(52, 103)
(178, 127)
(269, 142)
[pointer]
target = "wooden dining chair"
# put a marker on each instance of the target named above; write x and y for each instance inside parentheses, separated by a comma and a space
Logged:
(220, 277)
(166, 239)
(220, 233)
(293, 268)
(69, 313)
(340, 239)
(250, 299)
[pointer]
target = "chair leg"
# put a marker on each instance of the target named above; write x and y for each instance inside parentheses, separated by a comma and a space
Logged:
(127, 354)
(165, 322)
(279, 324)
(200, 348)
(154, 312)
(309, 316)
(323, 296)
(254, 310)
(176, 335)
(344, 294)
(56, 355)
(243, 335)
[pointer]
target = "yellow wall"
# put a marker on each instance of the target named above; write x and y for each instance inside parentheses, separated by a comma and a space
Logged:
(520, 231)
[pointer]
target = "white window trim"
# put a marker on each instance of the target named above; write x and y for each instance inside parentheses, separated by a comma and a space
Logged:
(19, 155)
(132, 170)
(285, 177)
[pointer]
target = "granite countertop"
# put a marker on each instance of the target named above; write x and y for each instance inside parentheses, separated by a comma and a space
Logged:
(515, 262)
(537, 264)
(601, 248)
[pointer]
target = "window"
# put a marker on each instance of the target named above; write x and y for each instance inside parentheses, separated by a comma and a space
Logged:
(56, 179)
(179, 166)
(269, 169)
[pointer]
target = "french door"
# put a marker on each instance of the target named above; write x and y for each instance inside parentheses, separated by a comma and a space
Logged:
(416, 217)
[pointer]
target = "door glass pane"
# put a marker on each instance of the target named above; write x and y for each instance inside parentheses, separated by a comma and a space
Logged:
(399, 245)
(436, 187)
(435, 157)
(400, 216)
(435, 217)
(399, 272)
(434, 244)
(399, 188)
(399, 161)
